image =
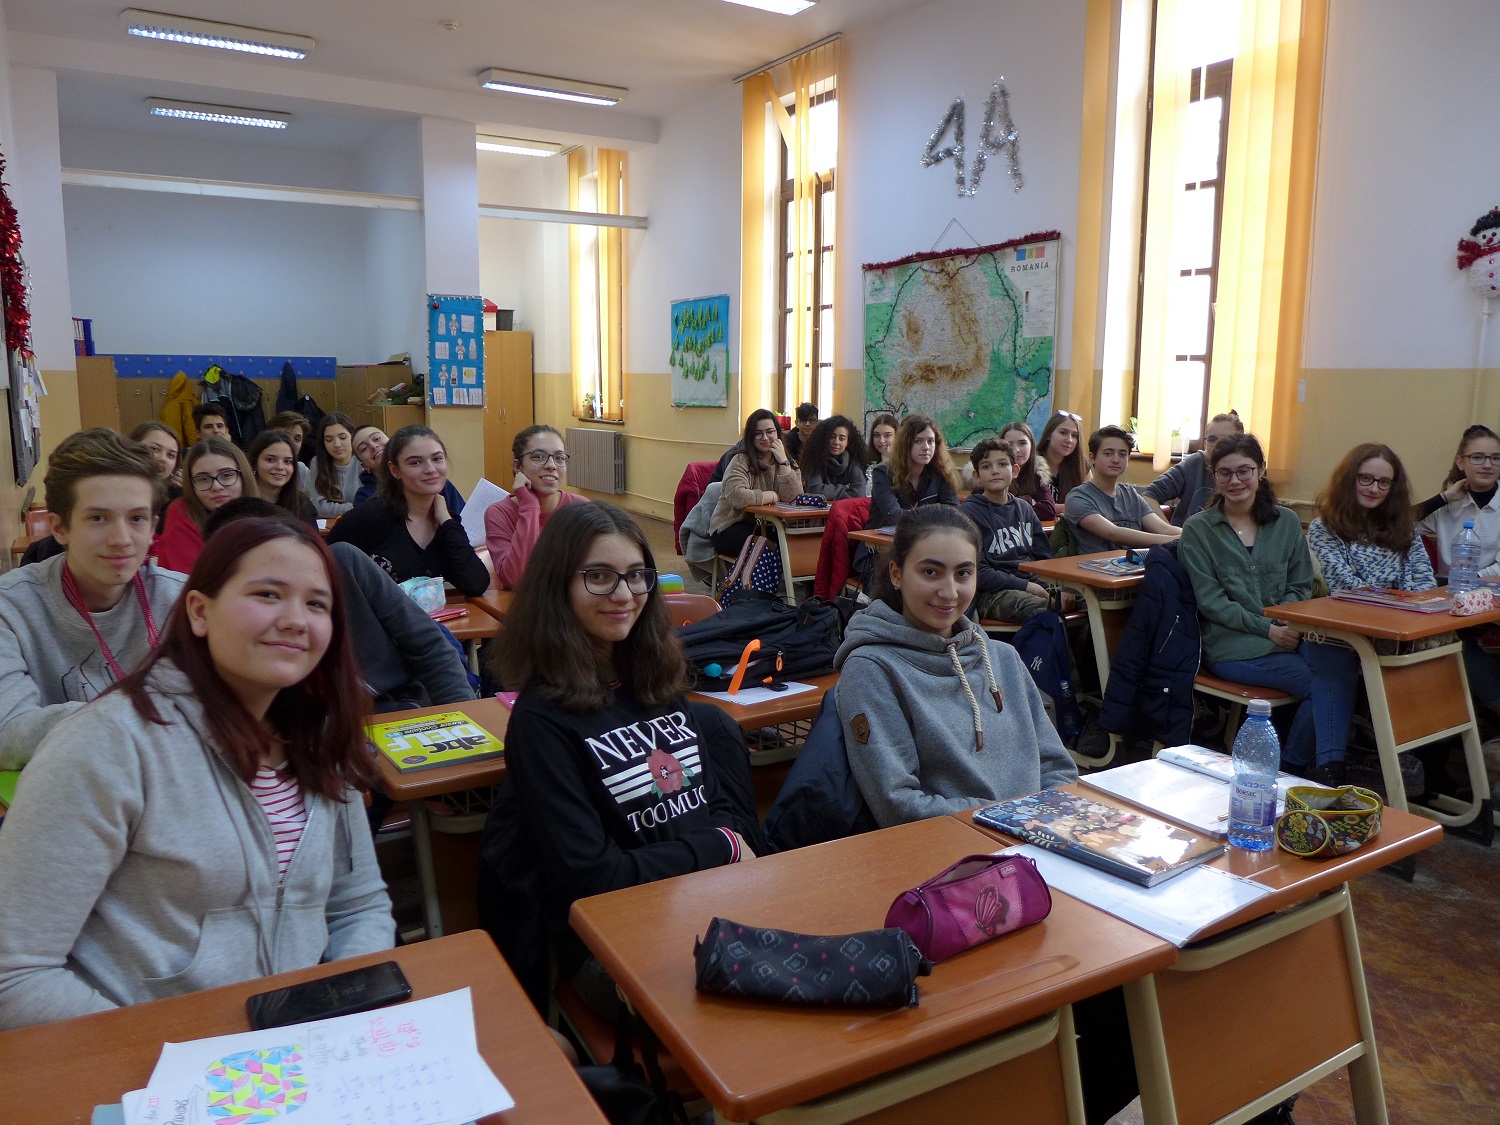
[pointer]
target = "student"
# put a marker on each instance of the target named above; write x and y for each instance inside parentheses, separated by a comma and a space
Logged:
(1009, 534)
(1033, 480)
(300, 429)
(1365, 531)
(761, 474)
(807, 421)
(212, 420)
(407, 527)
(1245, 552)
(161, 442)
(405, 660)
(273, 459)
(882, 437)
(834, 463)
(216, 472)
(220, 837)
(1061, 450)
(73, 624)
(512, 525)
(937, 717)
(335, 468)
(917, 472)
(612, 778)
(1188, 482)
(1106, 514)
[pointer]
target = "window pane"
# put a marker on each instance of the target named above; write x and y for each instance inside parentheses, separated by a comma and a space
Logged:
(825, 336)
(825, 134)
(1207, 31)
(1199, 158)
(1193, 229)
(1187, 316)
(1184, 392)
(789, 350)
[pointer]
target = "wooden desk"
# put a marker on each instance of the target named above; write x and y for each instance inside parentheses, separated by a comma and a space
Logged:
(414, 788)
(774, 712)
(56, 1073)
(1415, 698)
(752, 1059)
(800, 564)
(496, 603)
(1271, 999)
(874, 537)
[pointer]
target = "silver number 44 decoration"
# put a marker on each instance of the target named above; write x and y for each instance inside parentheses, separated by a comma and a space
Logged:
(998, 134)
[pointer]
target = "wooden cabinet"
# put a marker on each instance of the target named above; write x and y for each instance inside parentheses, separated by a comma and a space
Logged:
(355, 383)
(98, 404)
(137, 401)
(388, 418)
(509, 399)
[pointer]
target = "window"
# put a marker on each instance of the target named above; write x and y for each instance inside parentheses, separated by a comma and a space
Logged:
(596, 286)
(798, 383)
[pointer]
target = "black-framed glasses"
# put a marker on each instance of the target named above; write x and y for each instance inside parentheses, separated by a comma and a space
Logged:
(1479, 460)
(1243, 473)
(603, 581)
(203, 482)
(1365, 480)
(540, 457)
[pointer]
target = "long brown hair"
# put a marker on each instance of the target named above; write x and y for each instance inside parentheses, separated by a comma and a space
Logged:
(222, 447)
(1073, 469)
(1390, 525)
(1033, 476)
(814, 457)
(879, 420)
(544, 649)
(898, 468)
(1265, 508)
(914, 525)
(290, 492)
(389, 487)
(322, 718)
(1471, 435)
(326, 475)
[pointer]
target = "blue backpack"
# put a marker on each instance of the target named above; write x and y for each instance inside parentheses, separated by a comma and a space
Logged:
(819, 801)
(1042, 645)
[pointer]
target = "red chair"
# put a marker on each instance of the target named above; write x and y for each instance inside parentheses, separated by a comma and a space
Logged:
(690, 490)
(834, 565)
(37, 524)
(689, 609)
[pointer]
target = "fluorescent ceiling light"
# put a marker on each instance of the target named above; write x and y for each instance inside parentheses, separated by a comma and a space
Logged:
(541, 86)
(517, 147)
(780, 7)
(218, 114)
(207, 33)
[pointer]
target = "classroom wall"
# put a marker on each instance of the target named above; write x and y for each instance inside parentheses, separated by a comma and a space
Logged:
(394, 316)
(10, 489)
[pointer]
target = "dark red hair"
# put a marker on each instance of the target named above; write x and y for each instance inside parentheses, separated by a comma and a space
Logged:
(322, 718)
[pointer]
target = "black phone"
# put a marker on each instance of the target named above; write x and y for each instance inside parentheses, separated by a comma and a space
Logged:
(342, 994)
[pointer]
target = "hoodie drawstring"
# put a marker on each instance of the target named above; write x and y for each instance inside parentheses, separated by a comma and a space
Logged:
(958, 667)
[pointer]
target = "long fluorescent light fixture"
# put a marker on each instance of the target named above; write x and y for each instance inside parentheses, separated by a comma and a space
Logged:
(207, 33)
(218, 114)
(541, 86)
(780, 7)
(517, 147)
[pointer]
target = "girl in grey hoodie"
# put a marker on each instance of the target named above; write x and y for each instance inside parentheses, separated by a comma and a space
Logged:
(937, 717)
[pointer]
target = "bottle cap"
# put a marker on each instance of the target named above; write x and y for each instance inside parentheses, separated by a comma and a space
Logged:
(1468, 525)
(1259, 707)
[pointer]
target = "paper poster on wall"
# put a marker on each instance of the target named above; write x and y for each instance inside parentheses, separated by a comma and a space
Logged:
(700, 352)
(455, 350)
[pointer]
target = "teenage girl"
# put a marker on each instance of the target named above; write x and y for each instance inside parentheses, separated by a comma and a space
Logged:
(834, 462)
(165, 448)
(1243, 553)
(917, 472)
(1189, 482)
(221, 837)
(214, 473)
(335, 468)
(273, 459)
(882, 437)
(1061, 448)
(406, 526)
(512, 525)
(612, 777)
(1365, 530)
(1033, 480)
(760, 474)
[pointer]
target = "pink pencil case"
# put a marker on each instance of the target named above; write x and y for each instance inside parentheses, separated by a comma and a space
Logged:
(980, 897)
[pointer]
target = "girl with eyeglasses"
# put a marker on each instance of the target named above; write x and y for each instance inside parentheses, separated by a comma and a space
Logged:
(1061, 446)
(406, 526)
(1189, 483)
(512, 526)
(1365, 530)
(1243, 553)
(213, 473)
(612, 778)
(761, 473)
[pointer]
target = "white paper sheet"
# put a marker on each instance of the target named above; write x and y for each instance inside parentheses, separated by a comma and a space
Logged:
(485, 493)
(748, 695)
(415, 1063)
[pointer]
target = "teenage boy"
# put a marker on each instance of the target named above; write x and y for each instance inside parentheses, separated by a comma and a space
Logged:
(72, 625)
(1106, 515)
(212, 420)
(807, 422)
(1010, 533)
(369, 448)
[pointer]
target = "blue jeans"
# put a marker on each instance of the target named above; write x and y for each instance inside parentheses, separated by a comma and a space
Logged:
(1484, 676)
(1325, 677)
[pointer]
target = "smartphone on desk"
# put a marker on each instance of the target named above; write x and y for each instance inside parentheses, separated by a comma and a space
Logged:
(342, 994)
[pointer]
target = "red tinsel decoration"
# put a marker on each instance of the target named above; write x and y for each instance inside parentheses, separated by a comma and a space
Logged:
(13, 275)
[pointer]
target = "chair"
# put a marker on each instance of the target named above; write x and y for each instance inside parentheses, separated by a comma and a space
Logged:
(37, 523)
(597, 1038)
(483, 552)
(1237, 696)
(833, 551)
(688, 609)
(690, 490)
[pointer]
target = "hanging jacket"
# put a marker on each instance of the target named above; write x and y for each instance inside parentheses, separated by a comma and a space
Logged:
(177, 411)
(245, 397)
(690, 490)
(834, 562)
(287, 394)
(1150, 692)
(214, 387)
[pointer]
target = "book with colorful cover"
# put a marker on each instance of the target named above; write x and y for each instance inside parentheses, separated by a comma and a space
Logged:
(430, 741)
(1420, 601)
(1122, 567)
(1133, 846)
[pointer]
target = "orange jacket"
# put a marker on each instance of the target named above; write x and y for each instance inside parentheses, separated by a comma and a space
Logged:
(178, 410)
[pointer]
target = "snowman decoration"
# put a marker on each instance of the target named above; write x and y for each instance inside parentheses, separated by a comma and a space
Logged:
(1480, 254)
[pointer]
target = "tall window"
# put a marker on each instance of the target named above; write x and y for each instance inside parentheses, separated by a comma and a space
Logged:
(596, 286)
(808, 270)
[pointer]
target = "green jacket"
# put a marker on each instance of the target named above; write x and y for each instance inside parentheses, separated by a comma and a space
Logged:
(1233, 586)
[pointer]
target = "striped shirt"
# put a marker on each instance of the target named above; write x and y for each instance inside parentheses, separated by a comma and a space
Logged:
(281, 800)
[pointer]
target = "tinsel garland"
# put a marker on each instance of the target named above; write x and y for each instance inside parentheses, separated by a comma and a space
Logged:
(13, 275)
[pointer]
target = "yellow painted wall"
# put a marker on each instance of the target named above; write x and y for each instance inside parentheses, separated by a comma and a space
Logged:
(462, 429)
(60, 418)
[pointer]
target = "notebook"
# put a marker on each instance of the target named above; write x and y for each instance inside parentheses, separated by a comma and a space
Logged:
(434, 740)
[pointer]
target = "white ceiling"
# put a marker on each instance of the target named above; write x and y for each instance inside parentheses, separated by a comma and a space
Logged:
(667, 52)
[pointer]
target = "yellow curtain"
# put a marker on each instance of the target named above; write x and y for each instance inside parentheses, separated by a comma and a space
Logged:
(1264, 248)
(579, 310)
(597, 296)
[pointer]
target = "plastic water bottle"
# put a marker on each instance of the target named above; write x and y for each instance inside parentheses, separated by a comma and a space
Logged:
(1463, 571)
(1252, 797)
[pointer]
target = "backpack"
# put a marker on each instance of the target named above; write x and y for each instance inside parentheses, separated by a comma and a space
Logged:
(794, 640)
(1042, 645)
(819, 801)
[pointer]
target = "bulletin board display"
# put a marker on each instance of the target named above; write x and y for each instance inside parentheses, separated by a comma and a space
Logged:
(455, 350)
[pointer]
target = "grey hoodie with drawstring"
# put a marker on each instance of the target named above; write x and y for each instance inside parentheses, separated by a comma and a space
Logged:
(921, 745)
(136, 865)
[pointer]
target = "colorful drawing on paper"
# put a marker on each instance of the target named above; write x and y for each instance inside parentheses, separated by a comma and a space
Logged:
(700, 352)
(255, 1087)
(455, 350)
(966, 336)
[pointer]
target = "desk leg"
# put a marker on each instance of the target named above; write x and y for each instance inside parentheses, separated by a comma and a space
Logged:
(471, 651)
(421, 838)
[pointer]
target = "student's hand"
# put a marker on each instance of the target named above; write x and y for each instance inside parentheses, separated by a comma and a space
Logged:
(1069, 601)
(1036, 590)
(440, 514)
(778, 451)
(1456, 491)
(520, 482)
(746, 851)
(1284, 636)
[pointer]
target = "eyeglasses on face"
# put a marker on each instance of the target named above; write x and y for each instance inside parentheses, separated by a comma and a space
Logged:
(1365, 480)
(1243, 473)
(203, 482)
(541, 457)
(603, 581)
(1479, 460)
